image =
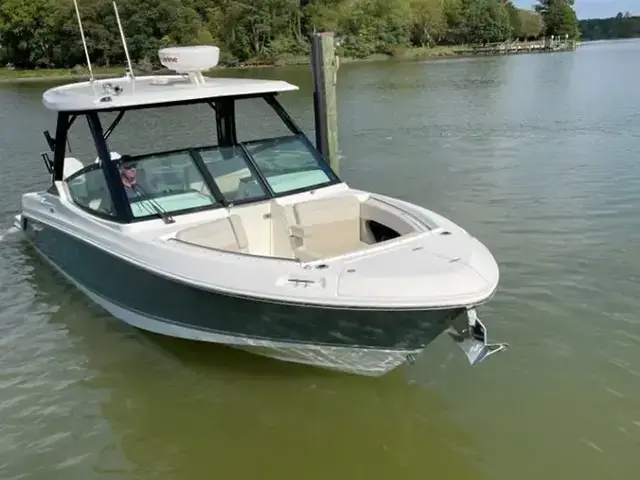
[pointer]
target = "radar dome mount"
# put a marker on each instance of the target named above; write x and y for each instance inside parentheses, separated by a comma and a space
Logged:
(191, 60)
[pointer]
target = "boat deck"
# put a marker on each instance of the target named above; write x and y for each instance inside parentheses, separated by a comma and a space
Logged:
(307, 231)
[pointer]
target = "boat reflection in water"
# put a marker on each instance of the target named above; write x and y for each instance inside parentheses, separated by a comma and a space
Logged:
(169, 408)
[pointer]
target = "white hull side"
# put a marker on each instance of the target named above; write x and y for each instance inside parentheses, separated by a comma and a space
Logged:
(426, 272)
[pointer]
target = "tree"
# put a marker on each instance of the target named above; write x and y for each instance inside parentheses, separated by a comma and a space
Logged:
(428, 22)
(530, 24)
(323, 16)
(375, 26)
(621, 26)
(44, 33)
(454, 13)
(487, 21)
(559, 17)
(27, 30)
(514, 19)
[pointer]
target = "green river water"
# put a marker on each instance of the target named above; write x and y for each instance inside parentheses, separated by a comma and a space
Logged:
(537, 155)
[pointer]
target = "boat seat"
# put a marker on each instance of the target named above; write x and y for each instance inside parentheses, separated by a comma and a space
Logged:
(101, 201)
(326, 227)
(222, 234)
(71, 166)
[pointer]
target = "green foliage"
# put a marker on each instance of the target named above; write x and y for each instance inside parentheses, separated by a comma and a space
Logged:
(621, 26)
(559, 17)
(515, 19)
(487, 21)
(44, 33)
(374, 26)
(27, 30)
(530, 24)
(428, 22)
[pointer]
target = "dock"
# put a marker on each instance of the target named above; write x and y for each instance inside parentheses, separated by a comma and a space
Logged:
(544, 45)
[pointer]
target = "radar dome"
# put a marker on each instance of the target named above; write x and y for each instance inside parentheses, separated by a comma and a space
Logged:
(191, 59)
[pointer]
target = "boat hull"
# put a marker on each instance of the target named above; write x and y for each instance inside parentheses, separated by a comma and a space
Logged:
(361, 341)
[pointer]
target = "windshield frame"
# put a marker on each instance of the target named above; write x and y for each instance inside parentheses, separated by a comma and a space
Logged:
(226, 130)
(196, 152)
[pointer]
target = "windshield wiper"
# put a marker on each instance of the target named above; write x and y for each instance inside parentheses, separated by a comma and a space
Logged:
(166, 217)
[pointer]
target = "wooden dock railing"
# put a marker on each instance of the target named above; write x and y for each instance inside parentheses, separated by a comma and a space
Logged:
(550, 44)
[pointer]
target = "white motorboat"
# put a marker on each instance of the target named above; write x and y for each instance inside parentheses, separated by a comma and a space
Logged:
(257, 245)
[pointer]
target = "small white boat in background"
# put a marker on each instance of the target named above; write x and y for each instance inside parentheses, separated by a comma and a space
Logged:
(257, 245)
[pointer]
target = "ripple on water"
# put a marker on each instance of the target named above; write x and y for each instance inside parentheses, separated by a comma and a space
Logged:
(548, 179)
(41, 394)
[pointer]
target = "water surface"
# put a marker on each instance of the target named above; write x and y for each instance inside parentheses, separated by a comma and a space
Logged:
(537, 155)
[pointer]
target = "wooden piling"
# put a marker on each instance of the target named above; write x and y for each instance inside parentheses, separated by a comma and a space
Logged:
(324, 65)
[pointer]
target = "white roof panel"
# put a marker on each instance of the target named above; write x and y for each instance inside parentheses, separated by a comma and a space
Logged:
(114, 93)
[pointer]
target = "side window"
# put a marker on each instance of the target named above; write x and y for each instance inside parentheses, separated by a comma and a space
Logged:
(89, 190)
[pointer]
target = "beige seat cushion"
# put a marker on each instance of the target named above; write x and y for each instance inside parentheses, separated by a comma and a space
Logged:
(327, 227)
(224, 234)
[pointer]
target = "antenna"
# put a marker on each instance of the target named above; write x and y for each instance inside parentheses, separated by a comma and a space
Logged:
(84, 42)
(124, 41)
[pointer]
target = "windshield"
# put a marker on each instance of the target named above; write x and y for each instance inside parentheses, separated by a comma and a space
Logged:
(169, 183)
(164, 183)
(289, 164)
(233, 174)
(286, 164)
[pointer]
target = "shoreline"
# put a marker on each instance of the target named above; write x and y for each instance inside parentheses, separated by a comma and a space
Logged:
(60, 74)
(414, 54)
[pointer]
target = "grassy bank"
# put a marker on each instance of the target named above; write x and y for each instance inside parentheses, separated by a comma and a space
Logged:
(50, 74)
(45, 74)
(400, 53)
